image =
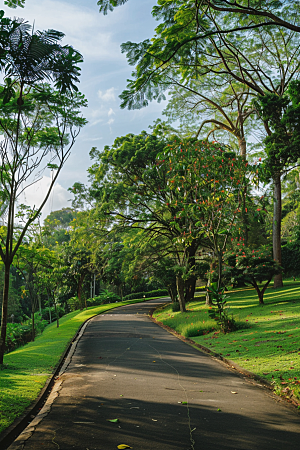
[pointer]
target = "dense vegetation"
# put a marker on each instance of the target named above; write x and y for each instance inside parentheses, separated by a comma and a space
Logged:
(216, 199)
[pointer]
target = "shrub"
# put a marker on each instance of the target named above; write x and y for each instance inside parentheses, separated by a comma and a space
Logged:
(73, 304)
(46, 315)
(175, 307)
(220, 312)
(19, 334)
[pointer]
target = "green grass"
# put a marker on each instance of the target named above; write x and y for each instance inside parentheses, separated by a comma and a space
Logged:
(267, 342)
(26, 370)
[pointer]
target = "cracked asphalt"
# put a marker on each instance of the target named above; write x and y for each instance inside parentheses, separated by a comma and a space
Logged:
(165, 394)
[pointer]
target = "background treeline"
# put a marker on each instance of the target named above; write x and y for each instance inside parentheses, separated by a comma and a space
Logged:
(211, 194)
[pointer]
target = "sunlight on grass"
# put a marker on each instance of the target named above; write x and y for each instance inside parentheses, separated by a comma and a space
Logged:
(267, 342)
(27, 369)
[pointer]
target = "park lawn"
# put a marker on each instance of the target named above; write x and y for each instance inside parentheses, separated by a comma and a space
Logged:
(26, 369)
(267, 342)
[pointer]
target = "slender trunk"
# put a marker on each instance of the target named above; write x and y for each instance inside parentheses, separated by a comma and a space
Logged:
(277, 227)
(220, 262)
(40, 304)
(172, 292)
(32, 329)
(57, 318)
(208, 300)
(180, 291)
(4, 312)
(80, 282)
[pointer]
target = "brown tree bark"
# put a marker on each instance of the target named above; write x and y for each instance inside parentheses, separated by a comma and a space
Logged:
(277, 227)
(80, 282)
(4, 312)
(180, 291)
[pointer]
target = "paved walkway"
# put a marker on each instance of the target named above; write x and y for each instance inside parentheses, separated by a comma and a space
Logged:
(166, 395)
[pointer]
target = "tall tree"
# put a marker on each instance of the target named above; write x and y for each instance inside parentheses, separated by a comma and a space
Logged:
(39, 125)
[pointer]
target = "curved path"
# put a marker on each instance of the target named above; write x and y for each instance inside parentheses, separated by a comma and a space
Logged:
(166, 395)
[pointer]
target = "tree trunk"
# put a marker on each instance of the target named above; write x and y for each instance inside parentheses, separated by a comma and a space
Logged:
(190, 287)
(220, 263)
(242, 147)
(277, 227)
(260, 297)
(172, 292)
(4, 311)
(208, 300)
(80, 282)
(180, 291)
(32, 329)
(57, 318)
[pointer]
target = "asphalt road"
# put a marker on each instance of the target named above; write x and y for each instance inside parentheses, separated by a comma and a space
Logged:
(165, 394)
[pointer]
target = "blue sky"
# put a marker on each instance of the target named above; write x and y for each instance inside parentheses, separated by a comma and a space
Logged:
(104, 74)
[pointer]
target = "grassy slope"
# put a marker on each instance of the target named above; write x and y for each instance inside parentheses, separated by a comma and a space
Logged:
(27, 369)
(269, 346)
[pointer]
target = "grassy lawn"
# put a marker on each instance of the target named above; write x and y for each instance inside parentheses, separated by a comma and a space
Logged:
(27, 369)
(268, 342)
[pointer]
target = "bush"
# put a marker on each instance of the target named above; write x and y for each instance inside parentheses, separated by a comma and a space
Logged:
(290, 254)
(73, 304)
(46, 316)
(19, 334)
(175, 307)
(155, 293)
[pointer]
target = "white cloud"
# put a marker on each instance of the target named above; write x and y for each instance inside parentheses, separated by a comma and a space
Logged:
(111, 121)
(108, 95)
(81, 25)
(35, 194)
(111, 112)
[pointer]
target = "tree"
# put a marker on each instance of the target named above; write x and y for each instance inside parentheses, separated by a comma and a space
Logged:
(252, 267)
(31, 258)
(39, 125)
(191, 42)
(213, 181)
(267, 13)
(282, 146)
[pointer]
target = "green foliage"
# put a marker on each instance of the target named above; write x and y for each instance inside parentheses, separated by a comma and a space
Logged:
(251, 266)
(219, 311)
(19, 334)
(175, 306)
(291, 258)
(73, 304)
(282, 114)
(60, 311)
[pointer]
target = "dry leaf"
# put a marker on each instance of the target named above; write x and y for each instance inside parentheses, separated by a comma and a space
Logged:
(122, 446)
(233, 392)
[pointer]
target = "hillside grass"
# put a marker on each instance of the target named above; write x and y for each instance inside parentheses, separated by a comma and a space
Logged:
(267, 342)
(26, 369)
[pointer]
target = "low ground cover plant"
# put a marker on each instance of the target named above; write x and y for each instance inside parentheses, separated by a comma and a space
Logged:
(267, 341)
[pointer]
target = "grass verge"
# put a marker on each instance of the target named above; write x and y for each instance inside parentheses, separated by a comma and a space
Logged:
(267, 342)
(26, 370)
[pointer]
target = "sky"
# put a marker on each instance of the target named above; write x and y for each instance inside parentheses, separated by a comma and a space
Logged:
(103, 77)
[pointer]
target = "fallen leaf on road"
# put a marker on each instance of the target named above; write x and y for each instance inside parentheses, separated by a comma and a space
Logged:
(184, 403)
(154, 420)
(113, 420)
(219, 410)
(233, 392)
(122, 446)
